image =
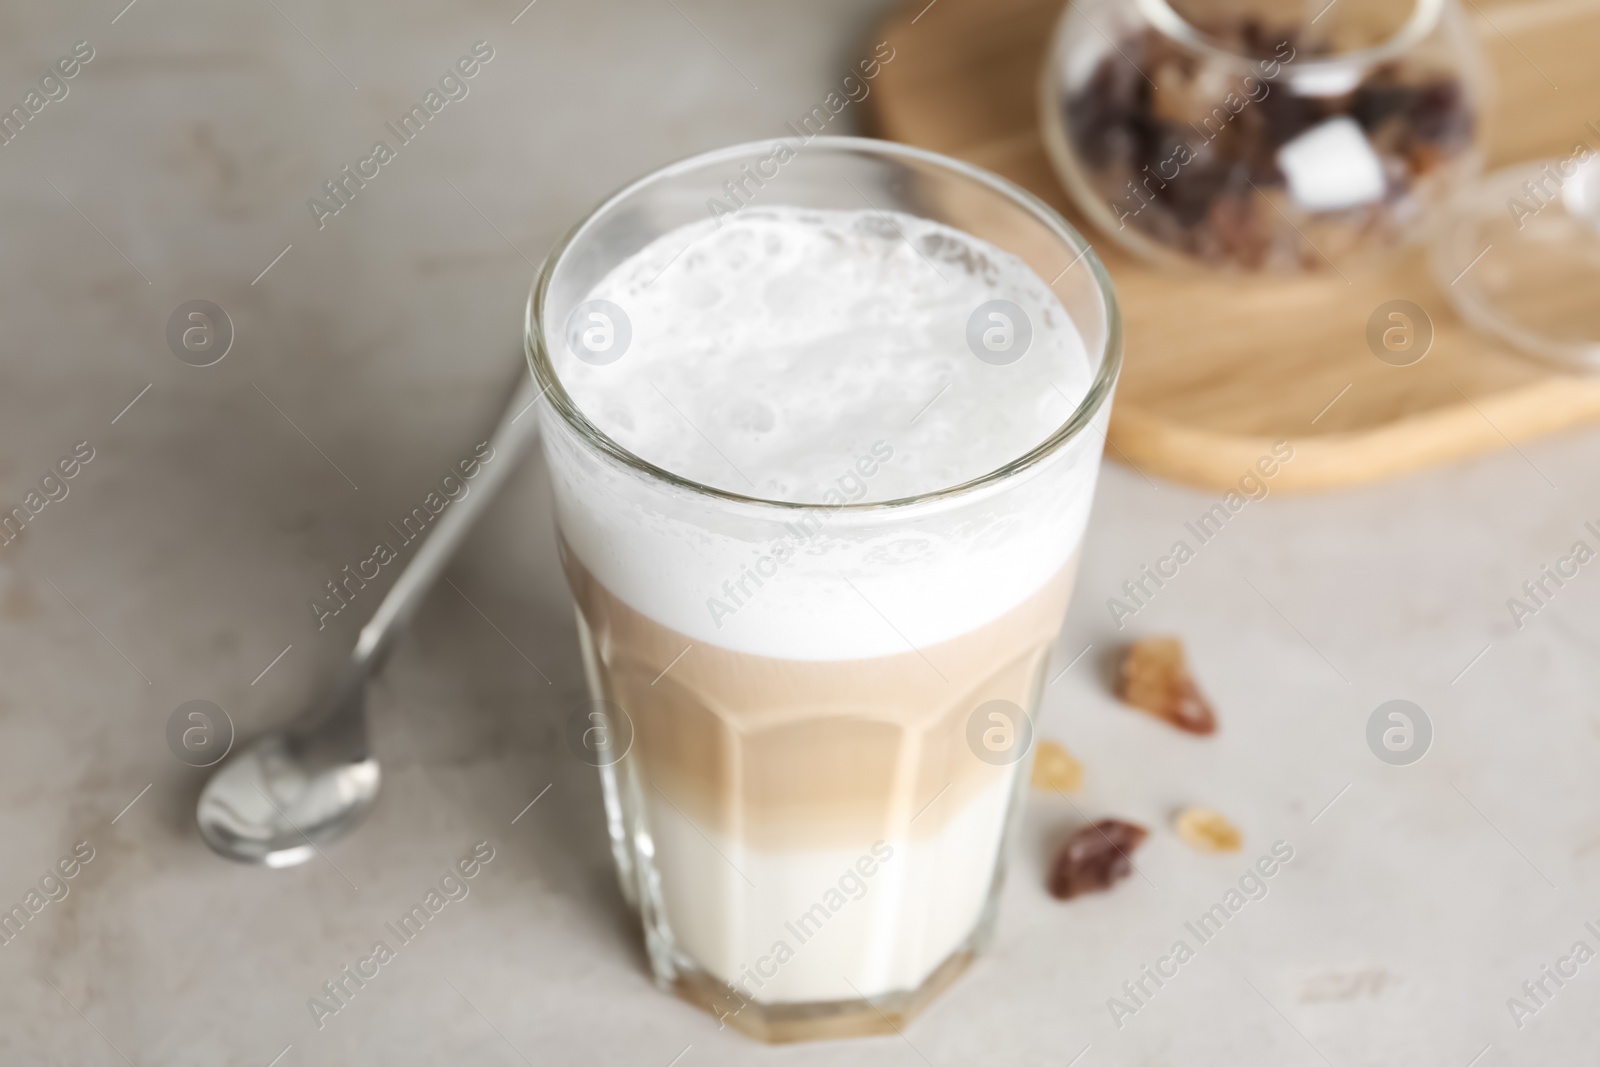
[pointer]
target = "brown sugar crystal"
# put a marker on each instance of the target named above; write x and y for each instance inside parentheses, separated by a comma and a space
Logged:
(1156, 679)
(1095, 858)
(1054, 768)
(1208, 831)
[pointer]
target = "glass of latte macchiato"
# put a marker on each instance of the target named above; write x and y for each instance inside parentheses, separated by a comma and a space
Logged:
(823, 419)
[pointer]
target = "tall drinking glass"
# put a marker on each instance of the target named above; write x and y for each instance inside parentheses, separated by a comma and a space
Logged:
(816, 592)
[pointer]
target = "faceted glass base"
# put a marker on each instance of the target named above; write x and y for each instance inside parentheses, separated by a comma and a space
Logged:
(784, 1023)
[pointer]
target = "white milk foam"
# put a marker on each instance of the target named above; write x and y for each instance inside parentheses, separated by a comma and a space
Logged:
(822, 357)
(769, 354)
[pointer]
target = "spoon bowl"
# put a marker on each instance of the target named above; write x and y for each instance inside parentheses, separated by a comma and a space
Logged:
(266, 806)
(295, 787)
(280, 797)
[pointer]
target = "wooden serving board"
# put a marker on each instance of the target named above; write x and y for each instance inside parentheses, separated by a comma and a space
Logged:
(1219, 367)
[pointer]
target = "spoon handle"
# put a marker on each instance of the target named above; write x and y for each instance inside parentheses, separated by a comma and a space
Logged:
(518, 427)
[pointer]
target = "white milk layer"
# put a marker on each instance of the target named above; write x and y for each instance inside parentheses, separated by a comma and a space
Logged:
(823, 357)
(829, 924)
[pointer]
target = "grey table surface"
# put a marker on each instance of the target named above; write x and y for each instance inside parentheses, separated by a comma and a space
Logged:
(372, 355)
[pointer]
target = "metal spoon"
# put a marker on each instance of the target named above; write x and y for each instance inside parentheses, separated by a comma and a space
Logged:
(310, 781)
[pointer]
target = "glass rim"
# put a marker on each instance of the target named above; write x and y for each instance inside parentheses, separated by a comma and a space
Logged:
(554, 391)
(1425, 14)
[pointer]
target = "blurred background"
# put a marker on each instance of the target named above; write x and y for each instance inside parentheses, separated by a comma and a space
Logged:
(369, 354)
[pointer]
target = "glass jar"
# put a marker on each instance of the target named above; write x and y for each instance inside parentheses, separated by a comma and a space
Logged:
(1260, 135)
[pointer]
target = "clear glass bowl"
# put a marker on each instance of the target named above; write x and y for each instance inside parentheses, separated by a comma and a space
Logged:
(1518, 254)
(1263, 135)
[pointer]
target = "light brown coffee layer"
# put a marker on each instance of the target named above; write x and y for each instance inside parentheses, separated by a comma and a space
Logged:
(780, 754)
